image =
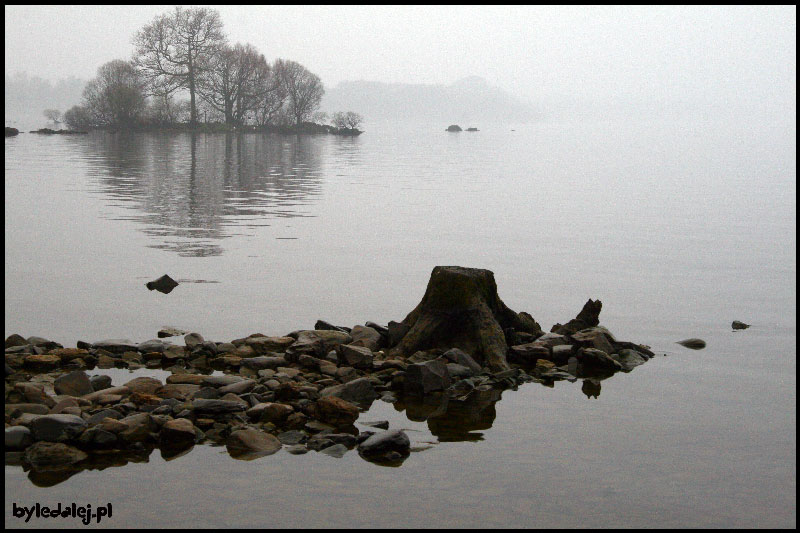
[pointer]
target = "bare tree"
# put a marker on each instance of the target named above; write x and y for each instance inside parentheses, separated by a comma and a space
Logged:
(78, 118)
(303, 88)
(271, 96)
(232, 82)
(353, 120)
(53, 115)
(173, 50)
(116, 96)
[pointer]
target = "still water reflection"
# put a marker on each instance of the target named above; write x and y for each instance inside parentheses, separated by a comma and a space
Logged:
(189, 191)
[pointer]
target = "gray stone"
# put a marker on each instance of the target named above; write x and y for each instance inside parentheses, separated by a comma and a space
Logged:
(193, 340)
(251, 444)
(18, 438)
(117, 346)
(359, 391)
(366, 337)
(337, 450)
(422, 378)
(73, 384)
(216, 406)
(153, 345)
(462, 358)
(57, 428)
(240, 387)
(164, 284)
(264, 362)
(100, 382)
(355, 356)
(48, 454)
(693, 344)
(630, 359)
(380, 445)
(291, 437)
(739, 325)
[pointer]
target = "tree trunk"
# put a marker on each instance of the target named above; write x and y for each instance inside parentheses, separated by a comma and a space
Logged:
(461, 309)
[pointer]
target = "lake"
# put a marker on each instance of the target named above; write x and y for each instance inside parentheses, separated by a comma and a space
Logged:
(679, 226)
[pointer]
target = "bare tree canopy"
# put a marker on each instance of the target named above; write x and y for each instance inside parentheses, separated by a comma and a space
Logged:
(303, 88)
(53, 115)
(116, 96)
(173, 50)
(348, 120)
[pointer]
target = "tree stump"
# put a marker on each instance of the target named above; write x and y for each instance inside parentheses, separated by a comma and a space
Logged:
(461, 309)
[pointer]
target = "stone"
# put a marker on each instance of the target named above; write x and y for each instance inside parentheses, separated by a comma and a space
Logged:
(453, 128)
(380, 446)
(355, 356)
(461, 358)
(164, 284)
(73, 384)
(42, 362)
(297, 449)
(240, 387)
(337, 450)
(250, 444)
(630, 359)
(102, 415)
(168, 331)
(380, 424)
(322, 325)
(100, 382)
(589, 316)
(292, 437)
(693, 344)
(193, 340)
(186, 379)
(144, 384)
(213, 407)
(57, 428)
(739, 325)
(18, 438)
(16, 409)
(422, 378)
(594, 359)
(153, 345)
(179, 391)
(334, 411)
(366, 337)
(116, 346)
(221, 381)
(358, 391)
(263, 362)
(50, 454)
(15, 340)
(177, 433)
(264, 345)
(528, 354)
(594, 338)
(461, 309)
(456, 371)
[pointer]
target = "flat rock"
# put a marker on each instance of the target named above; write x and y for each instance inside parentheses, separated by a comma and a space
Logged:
(381, 446)
(693, 344)
(73, 384)
(57, 428)
(50, 454)
(251, 444)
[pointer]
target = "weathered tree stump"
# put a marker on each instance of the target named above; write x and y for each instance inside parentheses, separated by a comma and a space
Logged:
(461, 309)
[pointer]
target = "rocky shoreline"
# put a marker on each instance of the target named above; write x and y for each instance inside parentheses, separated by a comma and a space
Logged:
(303, 391)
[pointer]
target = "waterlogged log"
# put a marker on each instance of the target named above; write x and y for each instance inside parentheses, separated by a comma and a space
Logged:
(461, 309)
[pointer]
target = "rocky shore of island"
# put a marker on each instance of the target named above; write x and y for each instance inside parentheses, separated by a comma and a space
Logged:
(303, 391)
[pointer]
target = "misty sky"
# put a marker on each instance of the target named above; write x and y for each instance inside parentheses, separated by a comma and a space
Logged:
(729, 54)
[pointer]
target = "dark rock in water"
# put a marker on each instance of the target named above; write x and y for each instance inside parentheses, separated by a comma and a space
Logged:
(587, 318)
(73, 384)
(170, 332)
(459, 357)
(334, 411)
(250, 444)
(359, 391)
(591, 388)
(739, 325)
(163, 284)
(453, 127)
(48, 454)
(57, 428)
(337, 450)
(18, 438)
(117, 346)
(472, 129)
(11, 132)
(693, 344)
(382, 446)
(630, 359)
(461, 309)
(422, 378)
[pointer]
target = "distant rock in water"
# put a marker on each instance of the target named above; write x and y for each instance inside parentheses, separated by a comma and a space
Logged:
(163, 284)
(693, 344)
(739, 325)
(453, 127)
(11, 132)
(48, 131)
(472, 129)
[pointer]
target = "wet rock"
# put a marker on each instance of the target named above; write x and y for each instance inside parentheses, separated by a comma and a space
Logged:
(739, 325)
(594, 359)
(45, 344)
(269, 345)
(178, 433)
(337, 450)
(334, 411)
(453, 128)
(461, 358)
(193, 340)
(221, 381)
(139, 427)
(49, 454)
(57, 428)
(358, 391)
(170, 332)
(263, 362)
(528, 354)
(297, 449)
(588, 317)
(240, 387)
(42, 362)
(16, 409)
(596, 337)
(422, 378)
(153, 345)
(366, 337)
(292, 437)
(18, 438)
(73, 384)
(380, 446)
(178, 391)
(630, 359)
(250, 444)
(355, 356)
(144, 384)
(457, 372)
(15, 340)
(322, 325)
(164, 284)
(102, 415)
(215, 407)
(461, 309)
(693, 344)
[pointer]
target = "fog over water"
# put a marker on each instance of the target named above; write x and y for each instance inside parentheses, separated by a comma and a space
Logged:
(656, 172)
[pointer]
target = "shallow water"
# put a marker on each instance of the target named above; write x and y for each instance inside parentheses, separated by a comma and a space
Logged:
(678, 227)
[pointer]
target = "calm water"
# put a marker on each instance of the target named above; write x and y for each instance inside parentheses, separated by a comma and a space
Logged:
(678, 227)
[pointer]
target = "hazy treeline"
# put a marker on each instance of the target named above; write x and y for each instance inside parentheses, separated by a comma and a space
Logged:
(185, 53)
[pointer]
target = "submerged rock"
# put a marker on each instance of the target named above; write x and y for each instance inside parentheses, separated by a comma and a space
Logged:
(693, 344)
(739, 325)
(163, 284)
(385, 446)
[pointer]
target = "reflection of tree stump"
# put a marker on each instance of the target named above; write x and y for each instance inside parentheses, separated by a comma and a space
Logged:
(461, 309)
